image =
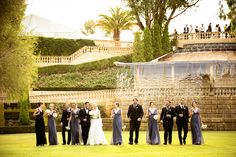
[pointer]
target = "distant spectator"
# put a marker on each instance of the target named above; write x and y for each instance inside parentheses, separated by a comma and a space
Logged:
(216, 28)
(186, 31)
(190, 29)
(175, 32)
(225, 28)
(219, 29)
(209, 30)
(202, 30)
(196, 29)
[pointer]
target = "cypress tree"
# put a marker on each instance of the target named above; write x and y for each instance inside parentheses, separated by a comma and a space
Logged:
(156, 40)
(166, 46)
(24, 111)
(147, 44)
(138, 55)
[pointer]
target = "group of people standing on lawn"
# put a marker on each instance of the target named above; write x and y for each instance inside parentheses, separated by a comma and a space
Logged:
(84, 126)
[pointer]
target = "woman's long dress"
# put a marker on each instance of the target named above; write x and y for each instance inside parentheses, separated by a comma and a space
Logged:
(96, 135)
(196, 131)
(52, 131)
(40, 130)
(153, 136)
(116, 128)
(75, 127)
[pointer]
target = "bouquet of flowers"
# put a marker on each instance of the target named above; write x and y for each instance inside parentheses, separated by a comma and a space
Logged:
(204, 126)
(155, 117)
(68, 126)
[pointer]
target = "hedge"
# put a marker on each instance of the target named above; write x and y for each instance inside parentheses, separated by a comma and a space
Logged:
(96, 65)
(60, 47)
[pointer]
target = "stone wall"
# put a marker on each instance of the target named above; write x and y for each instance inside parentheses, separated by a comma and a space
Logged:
(217, 111)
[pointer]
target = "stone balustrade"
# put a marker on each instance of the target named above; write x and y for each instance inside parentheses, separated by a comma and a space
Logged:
(128, 94)
(53, 59)
(102, 46)
(112, 43)
(204, 37)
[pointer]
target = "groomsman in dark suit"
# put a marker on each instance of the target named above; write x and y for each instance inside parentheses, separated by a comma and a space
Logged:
(64, 123)
(85, 121)
(167, 114)
(182, 114)
(135, 115)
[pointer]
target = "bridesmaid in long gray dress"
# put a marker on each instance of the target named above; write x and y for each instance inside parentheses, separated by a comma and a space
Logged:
(116, 114)
(74, 124)
(196, 131)
(52, 130)
(153, 136)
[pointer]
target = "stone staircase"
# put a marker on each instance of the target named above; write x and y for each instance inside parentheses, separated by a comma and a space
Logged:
(102, 50)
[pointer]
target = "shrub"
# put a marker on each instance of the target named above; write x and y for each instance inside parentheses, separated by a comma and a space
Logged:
(96, 65)
(60, 47)
(24, 111)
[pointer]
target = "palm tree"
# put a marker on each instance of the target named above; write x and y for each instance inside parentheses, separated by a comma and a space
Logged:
(117, 21)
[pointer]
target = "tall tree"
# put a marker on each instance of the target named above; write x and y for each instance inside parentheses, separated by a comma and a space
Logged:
(138, 55)
(231, 14)
(147, 12)
(166, 47)
(158, 14)
(89, 27)
(24, 111)
(117, 21)
(157, 40)
(147, 44)
(16, 51)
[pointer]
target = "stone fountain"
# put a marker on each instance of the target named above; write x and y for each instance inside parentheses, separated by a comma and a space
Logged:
(200, 69)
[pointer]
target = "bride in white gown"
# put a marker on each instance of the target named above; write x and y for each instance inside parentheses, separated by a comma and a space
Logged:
(96, 135)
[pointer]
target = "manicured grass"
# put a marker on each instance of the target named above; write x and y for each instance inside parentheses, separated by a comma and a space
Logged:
(217, 144)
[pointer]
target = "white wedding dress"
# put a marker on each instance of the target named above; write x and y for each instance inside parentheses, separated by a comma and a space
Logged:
(96, 135)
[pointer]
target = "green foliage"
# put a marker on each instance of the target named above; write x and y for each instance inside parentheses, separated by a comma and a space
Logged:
(88, 76)
(166, 47)
(60, 47)
(117, 21)
(83, 80)
(147, 44)
(24, 111)
(157, 40)
(231, 14)
(16, 51)
(96, 65)
(138, 55)
(89, 27)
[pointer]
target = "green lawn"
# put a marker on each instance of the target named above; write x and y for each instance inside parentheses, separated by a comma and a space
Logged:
(217, 144)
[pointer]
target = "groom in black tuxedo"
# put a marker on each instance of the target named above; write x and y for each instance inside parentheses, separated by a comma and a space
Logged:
(167, 114)
(64, 123)
(85, 121)
(182, 114)
(135, 115)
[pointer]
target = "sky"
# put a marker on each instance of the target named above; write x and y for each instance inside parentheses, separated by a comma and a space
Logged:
(74, 13)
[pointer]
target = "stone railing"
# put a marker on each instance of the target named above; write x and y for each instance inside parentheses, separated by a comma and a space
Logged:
(204, 37)
(111, 43)
(101, 95)
(102, 46)
(53, 59)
